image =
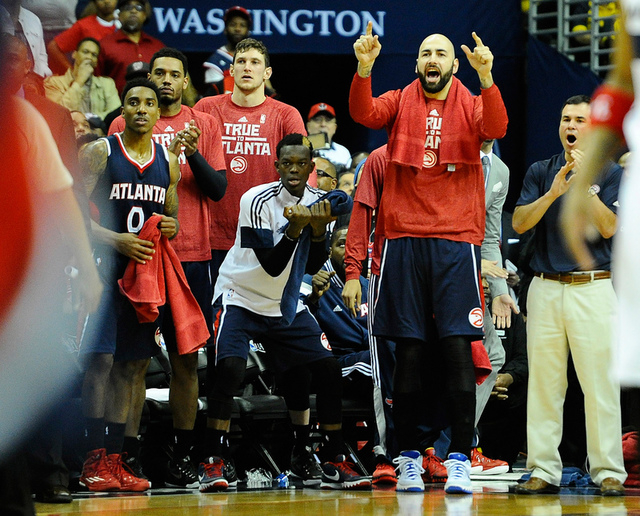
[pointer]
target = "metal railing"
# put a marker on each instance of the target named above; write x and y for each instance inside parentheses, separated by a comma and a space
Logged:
(583, 31)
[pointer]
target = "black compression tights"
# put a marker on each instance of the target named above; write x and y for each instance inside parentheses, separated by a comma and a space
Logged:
(459, 390)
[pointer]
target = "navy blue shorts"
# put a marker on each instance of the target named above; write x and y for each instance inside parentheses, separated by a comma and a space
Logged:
(198, 279)
(429, 289)
(114, 329)
(302, 342)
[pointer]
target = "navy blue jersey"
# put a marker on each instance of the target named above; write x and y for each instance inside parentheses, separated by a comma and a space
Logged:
(346, 334)
(128, 193)
(550, 254)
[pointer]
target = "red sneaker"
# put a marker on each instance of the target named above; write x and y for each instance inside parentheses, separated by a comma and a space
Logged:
(486, 466)
(434, 468)
(96, 472)
(128, 482)
(385, 473)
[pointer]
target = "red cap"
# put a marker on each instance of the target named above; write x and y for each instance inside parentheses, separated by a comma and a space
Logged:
(319, 108)
(236, 10)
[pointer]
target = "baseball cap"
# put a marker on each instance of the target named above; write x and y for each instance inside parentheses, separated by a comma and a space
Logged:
(123, 2)
(319, 108)
(137, 69)
(236, 10)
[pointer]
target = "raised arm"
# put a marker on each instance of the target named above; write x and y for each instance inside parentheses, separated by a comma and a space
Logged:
(367, 48)
(481, 60)
(527, 216)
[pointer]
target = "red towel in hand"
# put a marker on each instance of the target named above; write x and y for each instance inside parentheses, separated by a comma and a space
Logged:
(148, 285)
(481, 362)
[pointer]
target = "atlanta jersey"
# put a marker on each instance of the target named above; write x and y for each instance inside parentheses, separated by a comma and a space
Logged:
(192, 241)
(249, 139)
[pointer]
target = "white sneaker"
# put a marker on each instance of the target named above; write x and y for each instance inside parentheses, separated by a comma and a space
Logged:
(409, 471)
(458, 472)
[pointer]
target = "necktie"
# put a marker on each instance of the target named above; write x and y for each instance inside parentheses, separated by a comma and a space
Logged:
(486, 168)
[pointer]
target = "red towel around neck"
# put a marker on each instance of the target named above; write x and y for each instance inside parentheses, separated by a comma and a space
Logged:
(458, 144)
(148, 285)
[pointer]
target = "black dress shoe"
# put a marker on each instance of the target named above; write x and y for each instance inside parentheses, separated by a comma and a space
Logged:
(54, 494)
(536, 485)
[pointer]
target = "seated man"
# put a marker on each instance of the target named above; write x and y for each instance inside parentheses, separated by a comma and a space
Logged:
(327, 176)
(348, 336)
(322, 119)
(79, 89)
(281, 234)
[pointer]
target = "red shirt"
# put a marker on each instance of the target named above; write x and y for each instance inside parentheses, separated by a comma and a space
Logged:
(88, 27)
(117, 52)
(249, 139)
(438, 200)
(192, 241)
(367, 199)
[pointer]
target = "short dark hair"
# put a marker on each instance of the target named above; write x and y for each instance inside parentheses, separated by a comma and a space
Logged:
(93, 40)
(249, 43)
(294, 139)
(334, 234)
(575, 100)
(139, 81)
(170, 52)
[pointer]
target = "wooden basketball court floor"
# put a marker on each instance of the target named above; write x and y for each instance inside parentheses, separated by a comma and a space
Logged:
(490, 497)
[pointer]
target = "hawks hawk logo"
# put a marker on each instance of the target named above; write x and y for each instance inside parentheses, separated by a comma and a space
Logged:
(238, 165)
(325, 342)
(476, 318)
(160, 339)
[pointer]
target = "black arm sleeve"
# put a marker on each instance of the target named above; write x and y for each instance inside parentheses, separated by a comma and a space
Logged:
(275, 259)
(318, 254)
(212, 182)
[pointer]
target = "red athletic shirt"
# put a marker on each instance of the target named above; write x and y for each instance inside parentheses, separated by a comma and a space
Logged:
(367, 199)
(117, 52)
(434, 201)
(192, 241)
(88, 27)
(249, 139)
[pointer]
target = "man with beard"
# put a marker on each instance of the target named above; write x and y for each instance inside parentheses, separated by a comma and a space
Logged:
(129, 44)
(195, 138)
(433, 210)
(570, 311)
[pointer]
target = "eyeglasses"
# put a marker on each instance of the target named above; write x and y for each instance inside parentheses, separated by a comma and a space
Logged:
(133, 7)
(322, 173)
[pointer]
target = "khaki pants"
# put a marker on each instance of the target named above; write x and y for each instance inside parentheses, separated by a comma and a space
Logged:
(576, 318)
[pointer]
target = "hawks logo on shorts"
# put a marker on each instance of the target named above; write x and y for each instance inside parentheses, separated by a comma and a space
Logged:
(160, 339)
(325, 342)
(476, 318)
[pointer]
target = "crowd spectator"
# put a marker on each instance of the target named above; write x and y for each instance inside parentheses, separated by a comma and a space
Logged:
(96, 26)
(322, 119)
(79, 89)
(127, 44)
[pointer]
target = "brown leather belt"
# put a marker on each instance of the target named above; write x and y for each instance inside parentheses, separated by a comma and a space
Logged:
(575, 277)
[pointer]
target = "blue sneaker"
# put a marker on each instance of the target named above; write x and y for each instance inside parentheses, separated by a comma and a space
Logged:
(409, 471)
(458, 474)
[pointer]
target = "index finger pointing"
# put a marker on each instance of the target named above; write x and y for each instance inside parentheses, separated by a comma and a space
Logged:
(369, 31)
(477, 39)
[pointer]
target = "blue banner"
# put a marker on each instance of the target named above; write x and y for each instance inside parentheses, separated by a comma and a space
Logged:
(331, 27)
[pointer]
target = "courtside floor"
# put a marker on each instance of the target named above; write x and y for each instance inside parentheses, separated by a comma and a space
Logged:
(492, 495)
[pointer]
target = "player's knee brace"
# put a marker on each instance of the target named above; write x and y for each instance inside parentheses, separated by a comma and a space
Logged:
(224, 384)
(328, 379)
